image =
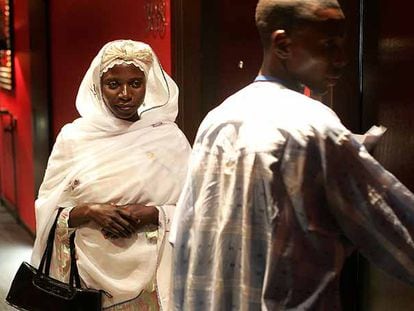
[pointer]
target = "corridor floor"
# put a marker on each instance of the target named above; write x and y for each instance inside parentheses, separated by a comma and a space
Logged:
(15, 247)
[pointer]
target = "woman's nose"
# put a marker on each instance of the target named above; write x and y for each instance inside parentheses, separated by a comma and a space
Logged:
(124, 91)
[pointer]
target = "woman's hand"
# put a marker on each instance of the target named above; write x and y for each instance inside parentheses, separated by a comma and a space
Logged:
(107, 216)
(141, 215)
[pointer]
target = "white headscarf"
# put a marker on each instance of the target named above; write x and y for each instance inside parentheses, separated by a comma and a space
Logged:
(161, 90)
(99, 159)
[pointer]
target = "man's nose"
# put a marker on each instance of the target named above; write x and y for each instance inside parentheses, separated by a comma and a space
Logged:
(340, 59)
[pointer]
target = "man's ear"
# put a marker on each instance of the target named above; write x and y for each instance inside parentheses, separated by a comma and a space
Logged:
(281, 43)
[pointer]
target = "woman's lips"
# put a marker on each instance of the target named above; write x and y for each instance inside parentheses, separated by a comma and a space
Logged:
(125, 108)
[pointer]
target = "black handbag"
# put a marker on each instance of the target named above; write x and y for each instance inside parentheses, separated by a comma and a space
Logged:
(34, 290)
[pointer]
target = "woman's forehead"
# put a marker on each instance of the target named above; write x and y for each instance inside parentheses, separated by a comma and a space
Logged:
(124, 69)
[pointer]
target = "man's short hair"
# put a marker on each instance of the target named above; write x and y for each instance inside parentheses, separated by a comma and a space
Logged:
(272, 15)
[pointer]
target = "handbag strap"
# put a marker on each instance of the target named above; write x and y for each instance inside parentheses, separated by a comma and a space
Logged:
(47, 255)
(46, 260)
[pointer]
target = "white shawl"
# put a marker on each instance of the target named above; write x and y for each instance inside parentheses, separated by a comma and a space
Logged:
(99, 159)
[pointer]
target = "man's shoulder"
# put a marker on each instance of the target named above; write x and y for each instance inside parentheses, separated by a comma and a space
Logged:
(270, 102)
(265, 107)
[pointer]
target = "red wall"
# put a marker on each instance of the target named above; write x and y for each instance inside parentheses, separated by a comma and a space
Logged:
(18, 103)
(78, 30)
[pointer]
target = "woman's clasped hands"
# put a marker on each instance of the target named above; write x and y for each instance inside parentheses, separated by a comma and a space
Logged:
(125, 220)
(116, 221)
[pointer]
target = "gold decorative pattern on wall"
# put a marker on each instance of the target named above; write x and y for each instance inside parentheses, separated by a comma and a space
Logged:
(155, 13)
(6, 51)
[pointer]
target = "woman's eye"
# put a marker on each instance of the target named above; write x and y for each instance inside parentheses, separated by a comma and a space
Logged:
(136, 83)
(112, 84)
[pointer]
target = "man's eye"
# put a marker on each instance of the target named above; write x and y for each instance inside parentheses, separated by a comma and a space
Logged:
(330, 44)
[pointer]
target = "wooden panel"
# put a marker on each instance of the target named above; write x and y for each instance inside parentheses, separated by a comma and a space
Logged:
(210, 38)
(40, 97)
(186, 62)
(239, 51)
(389, 100)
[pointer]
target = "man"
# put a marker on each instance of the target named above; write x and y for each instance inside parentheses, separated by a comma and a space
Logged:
(278, 192)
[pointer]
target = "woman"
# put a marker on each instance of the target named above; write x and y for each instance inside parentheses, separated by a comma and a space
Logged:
(117, 171)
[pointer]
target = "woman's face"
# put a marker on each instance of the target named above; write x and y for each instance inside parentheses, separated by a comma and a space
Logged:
(123, 89)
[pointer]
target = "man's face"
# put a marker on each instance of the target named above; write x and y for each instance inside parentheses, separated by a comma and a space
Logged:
(317, 51)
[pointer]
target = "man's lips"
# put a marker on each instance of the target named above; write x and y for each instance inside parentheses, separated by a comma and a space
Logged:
(333, 79)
